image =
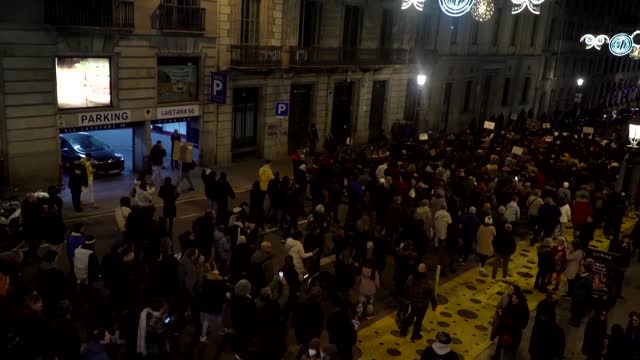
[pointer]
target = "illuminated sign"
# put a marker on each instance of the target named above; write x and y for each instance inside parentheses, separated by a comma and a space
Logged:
(594, 41)
(418, 4)
(456, 8)
(83, 82)
(621, 44)
(532, 5)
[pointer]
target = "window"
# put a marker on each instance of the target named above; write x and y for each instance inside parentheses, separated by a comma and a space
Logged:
(386, 30)
(310, 23)
(467, 95)
(475, 30)
(177, 79)
(515, 30)
(249, 21)
(423, 27)
(455, 23)
(534, 32)
(411, 101)
(525, 90)
(496, 29)
(505, 91)
(551, 32)
(83, 82)
(352, 26)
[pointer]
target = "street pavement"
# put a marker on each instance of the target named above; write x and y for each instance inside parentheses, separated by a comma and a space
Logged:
(467, 303)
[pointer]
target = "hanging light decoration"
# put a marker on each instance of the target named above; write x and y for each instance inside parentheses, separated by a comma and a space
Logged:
(621, 44)
(418, 4)
(482, 10)
(635, 53)
(593, 41)
(455, 8)
(532, 5)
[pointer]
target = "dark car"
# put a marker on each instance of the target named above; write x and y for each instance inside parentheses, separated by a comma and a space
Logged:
(105, 159)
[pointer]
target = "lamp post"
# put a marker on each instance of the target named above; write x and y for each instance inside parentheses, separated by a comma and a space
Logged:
(578, 98)
(421, 80)
(631, 175)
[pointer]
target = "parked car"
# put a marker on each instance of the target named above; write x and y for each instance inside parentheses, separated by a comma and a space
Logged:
(105, 159)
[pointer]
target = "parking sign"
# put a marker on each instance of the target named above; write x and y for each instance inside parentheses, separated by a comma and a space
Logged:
(218, 88)
(282, 109)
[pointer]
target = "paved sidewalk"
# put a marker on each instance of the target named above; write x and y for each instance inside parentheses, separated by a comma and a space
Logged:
(109, 190)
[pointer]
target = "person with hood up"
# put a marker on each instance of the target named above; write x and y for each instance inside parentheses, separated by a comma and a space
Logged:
(151, 341)
(440, 349)
(313, 351)
(420, 292)
(485, 237)
(96, 349)
(294, 247)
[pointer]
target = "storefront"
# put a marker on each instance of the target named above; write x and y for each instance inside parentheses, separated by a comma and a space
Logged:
(185, 119)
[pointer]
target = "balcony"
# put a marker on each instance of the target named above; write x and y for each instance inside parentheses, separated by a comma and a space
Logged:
(326, 57)
(256, 56)
(178, 18)
(106, 14)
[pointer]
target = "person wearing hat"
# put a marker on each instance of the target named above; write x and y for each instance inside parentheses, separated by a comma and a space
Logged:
(78, 179)
(85, 262)
(485, 238)
(440, 349)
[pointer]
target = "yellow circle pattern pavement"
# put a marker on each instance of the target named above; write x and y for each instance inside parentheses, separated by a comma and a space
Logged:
(466, 305)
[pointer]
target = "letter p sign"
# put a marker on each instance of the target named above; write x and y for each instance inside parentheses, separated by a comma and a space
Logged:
(218, 88)
(282, 109)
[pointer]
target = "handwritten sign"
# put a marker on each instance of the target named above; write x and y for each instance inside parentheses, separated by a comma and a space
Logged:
(548, 138)
(546, 126)
(489, 125)
(517, 150)
(587, 130)
(423, 136)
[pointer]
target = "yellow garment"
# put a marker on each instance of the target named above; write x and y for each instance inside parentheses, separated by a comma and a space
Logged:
(89, 167)
(265, 175)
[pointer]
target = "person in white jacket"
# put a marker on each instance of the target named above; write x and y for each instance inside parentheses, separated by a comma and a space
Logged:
(294, 247)
(144, 194)
(565, 217)
(512, 211)
(441, 221)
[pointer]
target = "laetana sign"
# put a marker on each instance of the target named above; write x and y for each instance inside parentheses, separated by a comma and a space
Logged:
(172, 112)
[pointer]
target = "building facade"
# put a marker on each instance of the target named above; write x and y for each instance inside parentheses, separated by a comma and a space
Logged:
(349, 66)
(610, 82)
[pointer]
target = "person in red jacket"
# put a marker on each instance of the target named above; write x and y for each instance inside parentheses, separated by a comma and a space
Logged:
(581, 214)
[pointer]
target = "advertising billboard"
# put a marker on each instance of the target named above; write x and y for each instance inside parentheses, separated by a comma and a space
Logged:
(83, 82)
(177, 79)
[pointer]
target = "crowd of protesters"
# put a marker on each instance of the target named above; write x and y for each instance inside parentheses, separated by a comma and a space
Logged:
(461, 197)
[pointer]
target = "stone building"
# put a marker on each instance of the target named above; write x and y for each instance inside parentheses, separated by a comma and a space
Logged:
(348, 66)
(609, 81)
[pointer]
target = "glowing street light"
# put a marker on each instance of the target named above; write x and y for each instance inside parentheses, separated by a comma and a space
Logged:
(580, 82)
(421, 79)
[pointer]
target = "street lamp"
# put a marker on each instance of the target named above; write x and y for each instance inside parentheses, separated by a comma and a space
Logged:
(634, 132)
(580, 81)
(421, 79)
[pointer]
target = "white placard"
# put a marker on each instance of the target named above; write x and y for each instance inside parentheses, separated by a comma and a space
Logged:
(587, 130)
(548, 138)
(489, 125)
(514, 116)
(423, 136)
(172, 112)
(517, 150)
(555, 133)
(546, 126)
(104, 118)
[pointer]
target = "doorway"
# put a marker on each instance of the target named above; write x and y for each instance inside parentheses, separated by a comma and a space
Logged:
(299, 114)
(342, 111)
(245, 121)
(376, 116)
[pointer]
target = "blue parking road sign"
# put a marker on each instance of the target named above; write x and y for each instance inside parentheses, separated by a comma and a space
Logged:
(218, 88)
(282, 109)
